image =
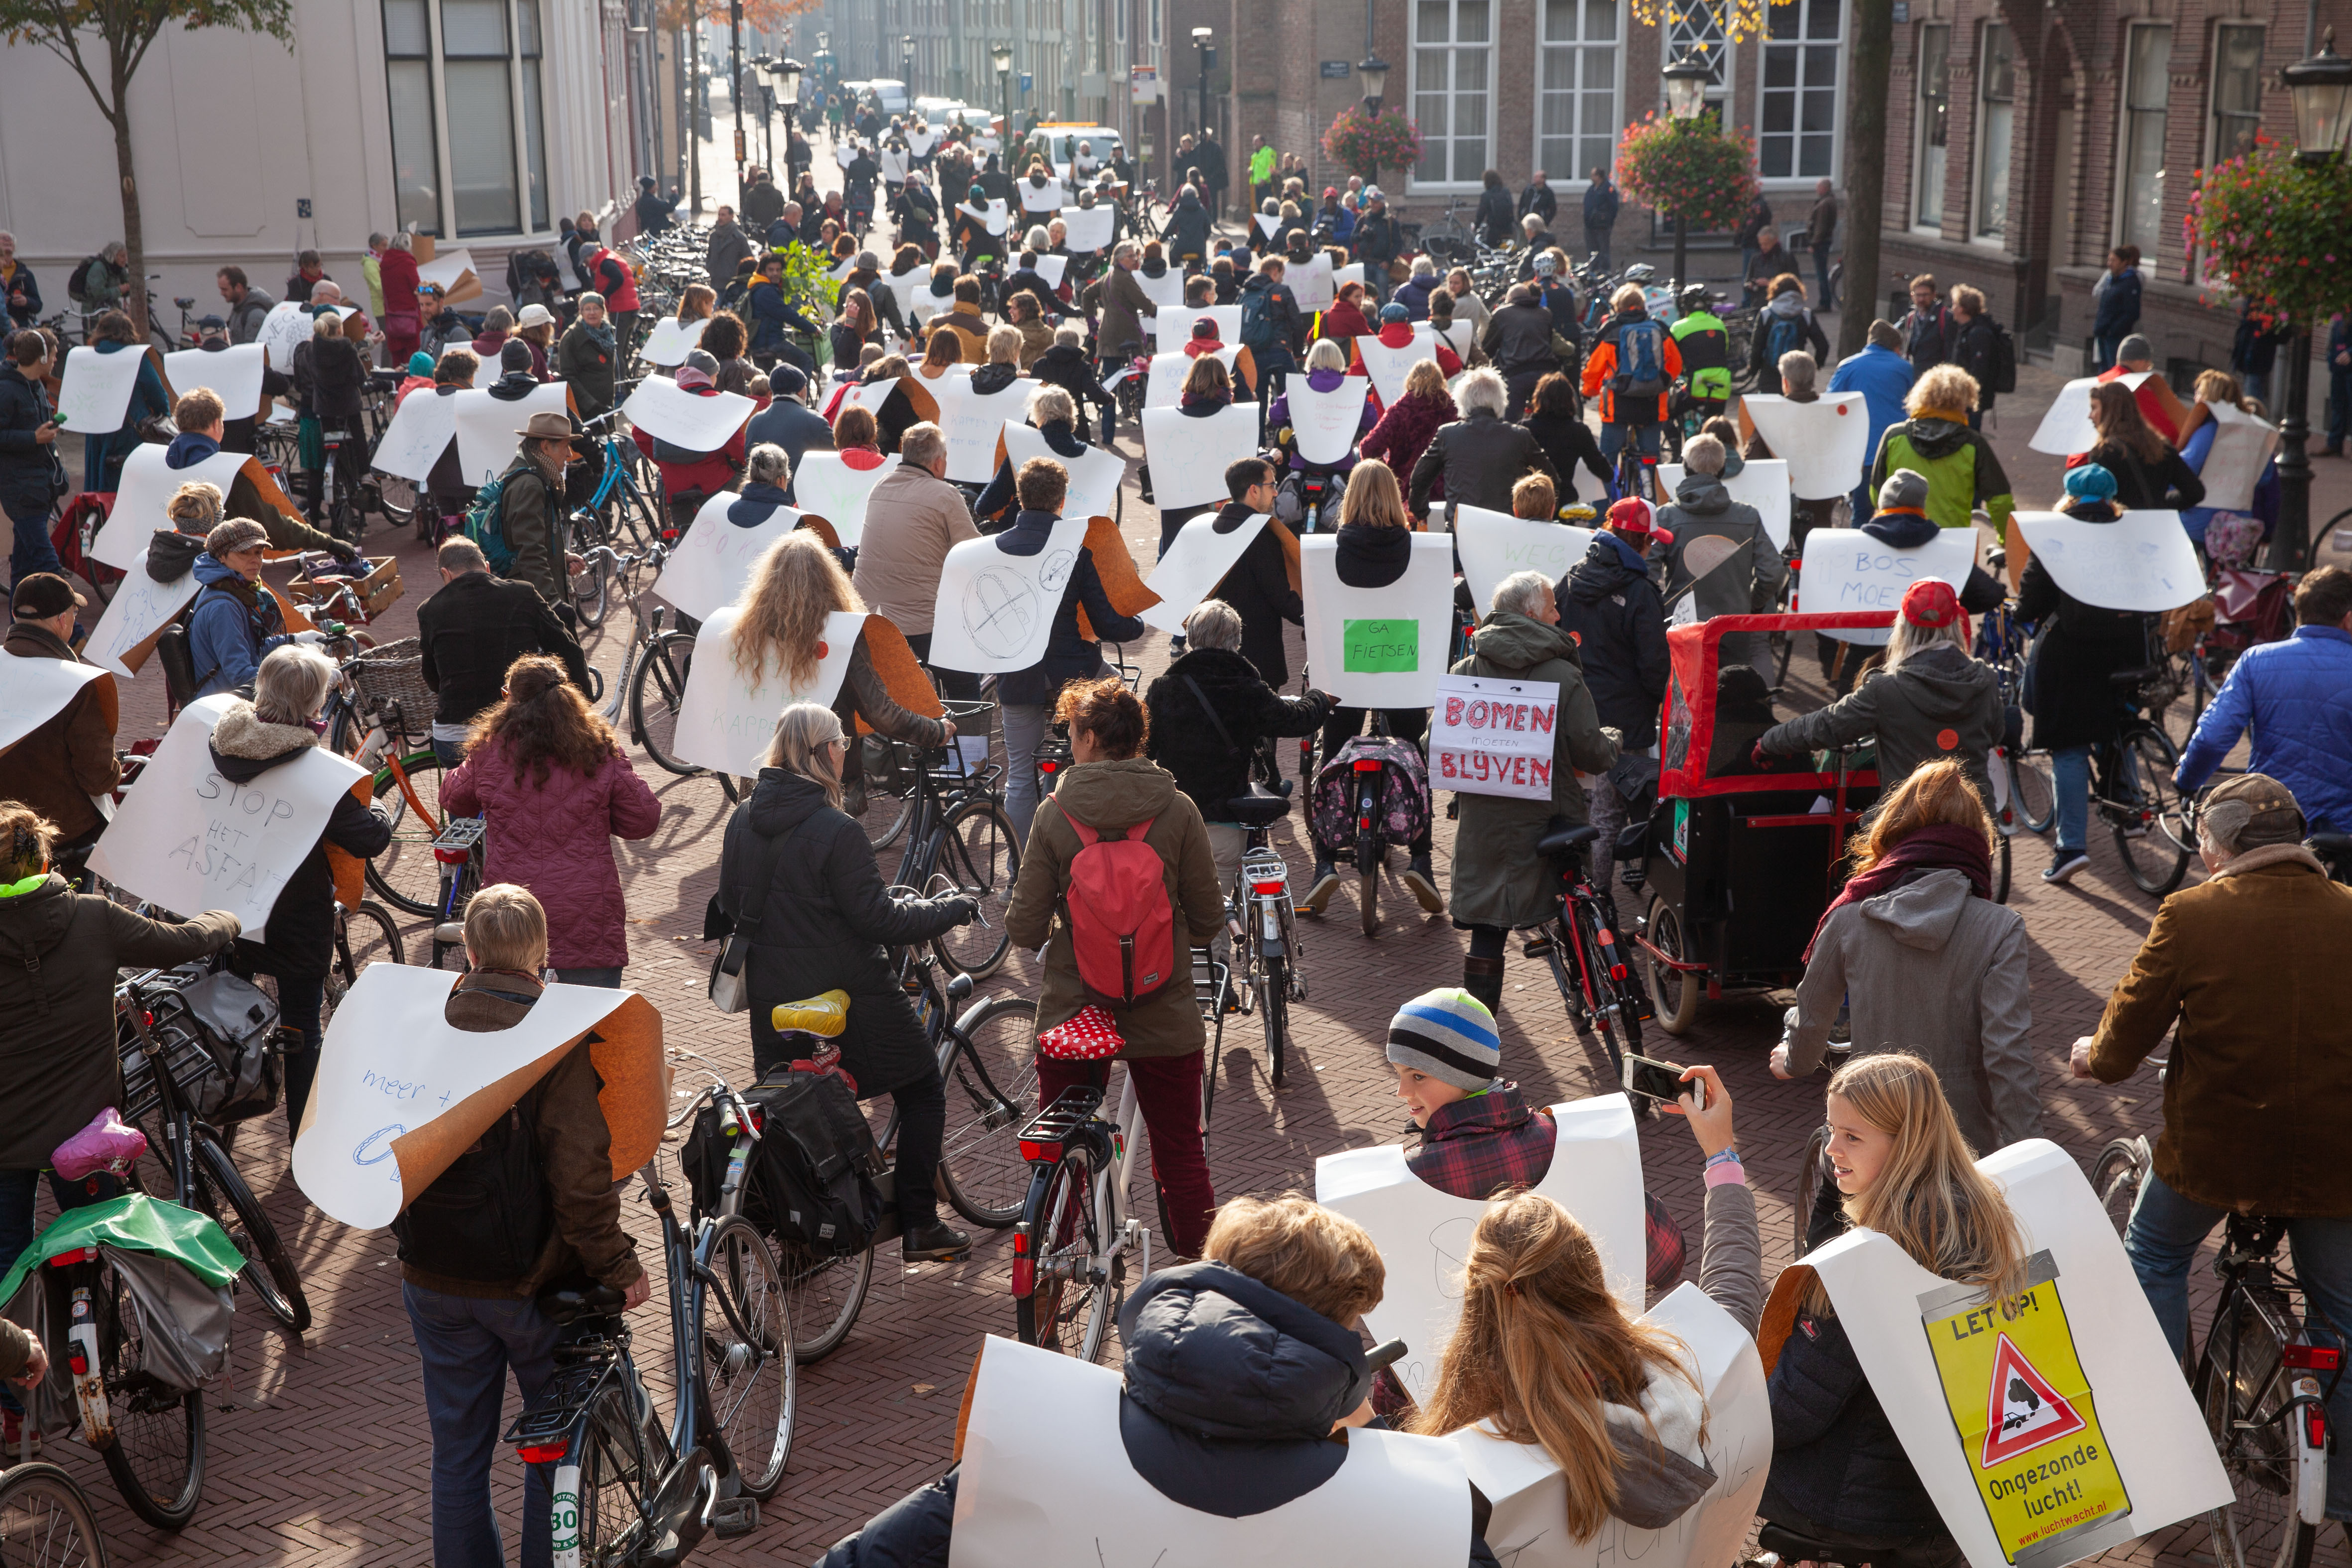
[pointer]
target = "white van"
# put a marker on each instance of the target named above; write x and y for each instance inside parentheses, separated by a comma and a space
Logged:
(891, 93)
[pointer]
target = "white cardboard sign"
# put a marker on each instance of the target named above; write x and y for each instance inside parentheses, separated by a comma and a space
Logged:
(2141, 562)
(448, 268)
(486, 366)
(1036, 198)
(894, 165)
(2242, 448)
(1846, 570)
(1527, 1528)
(2066, 429)
(1324, 423)
(1180, 320)
(390, 1064)
(995, 611)
(713, 563)
(971, 422)
(285, 328)
(826, 486)
(489, 432)
(1396, 1500)
(138, 609)
(421, 430)
(724, 721)
(1388, 366)
(1165, 382)
(95, 393)
(995, 216)
(1311, 280)
(1166, 291)
(1378, 647)
(1196, 561)
(667, 411)
(1267, 222)
(1494, 544)
(1188, 456)
(1095, 474)
(1491, 736)
(1087, 229)
(1824, 442)
(191, 840)
(672, 340)
(234, 372)
(2155, 1434)
(1761, 482)
(35, 691)
(145, 489)
(1423, 1234)
(914, 294)
(1053, 268)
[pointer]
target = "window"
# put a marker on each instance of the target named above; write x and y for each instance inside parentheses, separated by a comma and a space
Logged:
(2146, 83)
(1934, 127)
(1996, 109)
(1155, 23)
(534, 133)
(415, 150)
(1697, 30)
(1453, 43)
(1576, 85)
(1796, 109)
(2237, 91)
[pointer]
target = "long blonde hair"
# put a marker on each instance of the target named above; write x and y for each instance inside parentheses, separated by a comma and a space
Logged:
(796, 584)
(803, 730)
(1372, 496)
(1929, 1199)
(1543, 1347)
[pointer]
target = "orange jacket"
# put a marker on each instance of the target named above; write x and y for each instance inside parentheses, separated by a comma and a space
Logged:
(1600, 369)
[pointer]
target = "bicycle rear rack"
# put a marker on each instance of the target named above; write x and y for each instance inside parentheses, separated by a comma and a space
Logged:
(1043, 1139)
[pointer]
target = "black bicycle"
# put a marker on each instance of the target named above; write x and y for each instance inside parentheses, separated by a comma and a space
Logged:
(958, 839)
(46, 1520)
(1602, 994)
(2133, 793)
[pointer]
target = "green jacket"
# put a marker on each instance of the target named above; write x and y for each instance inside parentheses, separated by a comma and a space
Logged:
(1705, 344)
(1261, 165)
(1959, 465)
(1498, 878)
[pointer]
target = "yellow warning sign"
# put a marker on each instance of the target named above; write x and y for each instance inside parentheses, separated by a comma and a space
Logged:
(2025, 1415)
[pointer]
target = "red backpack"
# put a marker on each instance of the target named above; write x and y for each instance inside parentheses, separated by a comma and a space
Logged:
(1122, 927)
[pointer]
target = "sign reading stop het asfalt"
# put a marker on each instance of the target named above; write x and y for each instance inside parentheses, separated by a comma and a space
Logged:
(1494, 737)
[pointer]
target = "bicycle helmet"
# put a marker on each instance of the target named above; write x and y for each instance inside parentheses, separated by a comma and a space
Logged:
(1694, 298)
(1640, 272)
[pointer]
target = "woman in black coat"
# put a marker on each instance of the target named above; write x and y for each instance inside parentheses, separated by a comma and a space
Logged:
(1496, 220)
(797, 873)
(2149, 476)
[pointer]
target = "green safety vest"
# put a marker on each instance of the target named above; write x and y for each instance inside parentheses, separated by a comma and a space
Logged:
(1707, 360)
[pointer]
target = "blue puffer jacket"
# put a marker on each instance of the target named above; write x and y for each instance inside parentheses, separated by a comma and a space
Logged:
(1837, 1464)
(1232, 1391)
(227, 641)
(2297, 695)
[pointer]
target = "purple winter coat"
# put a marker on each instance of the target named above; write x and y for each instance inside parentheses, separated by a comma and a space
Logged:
(556, 839)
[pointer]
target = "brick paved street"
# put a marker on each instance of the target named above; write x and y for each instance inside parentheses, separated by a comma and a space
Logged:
(318, 1449)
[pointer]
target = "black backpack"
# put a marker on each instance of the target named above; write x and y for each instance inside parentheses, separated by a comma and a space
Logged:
(811, 1178)
(2004, 358)
(489, 1215)
(77, 281)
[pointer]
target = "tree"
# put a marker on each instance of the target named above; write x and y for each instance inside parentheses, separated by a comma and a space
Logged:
(128, 29)
(1865, 167)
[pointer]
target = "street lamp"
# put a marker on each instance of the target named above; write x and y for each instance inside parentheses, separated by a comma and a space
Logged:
(787, 72)
(1686, 83)
(1001, 56)
(1375, 72)
(907, 62)
(2321, 88)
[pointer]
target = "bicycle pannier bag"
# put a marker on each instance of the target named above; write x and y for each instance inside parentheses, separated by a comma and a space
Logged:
(1122, 927)
(816, 1162)
(238, 1023)
(487, 1216)
(1404, 807)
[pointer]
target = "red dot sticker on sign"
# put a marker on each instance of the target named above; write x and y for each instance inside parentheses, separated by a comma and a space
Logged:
(822, 651)
(1947, 739)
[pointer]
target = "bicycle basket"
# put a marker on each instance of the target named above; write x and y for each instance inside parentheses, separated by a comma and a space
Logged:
(393, 674)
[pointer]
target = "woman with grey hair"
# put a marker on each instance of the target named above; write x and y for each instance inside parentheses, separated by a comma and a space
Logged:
(251, 740)
(798, 877)
(1499, 882)
(1053, 413)
(1209, 712)
(1480, 455)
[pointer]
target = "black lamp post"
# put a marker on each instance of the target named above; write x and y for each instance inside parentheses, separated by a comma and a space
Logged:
(1001, 56)
(1686, 81)
(787, 74)
(2321, 86)
(907, 63)
(1375, 72)
(1204, 54)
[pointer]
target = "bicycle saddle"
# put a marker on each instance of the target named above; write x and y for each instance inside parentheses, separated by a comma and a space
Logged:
(570, 1306)
(1258, 809)
(825, 1015)
(1560, 840)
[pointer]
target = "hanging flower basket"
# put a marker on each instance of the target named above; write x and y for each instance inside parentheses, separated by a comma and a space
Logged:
(1688, 169)
(2277, 233)
(1366, 144)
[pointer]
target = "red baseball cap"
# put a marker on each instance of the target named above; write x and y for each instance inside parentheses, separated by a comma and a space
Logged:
(1631, 516)
(1931, 602)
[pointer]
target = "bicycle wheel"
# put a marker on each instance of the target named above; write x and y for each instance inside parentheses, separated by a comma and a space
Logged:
(657, 692)
(823, 1296)
(992, 1081)
(405, 875)
(2153, 838)
(1674, 993)
(606, 1512)
(364, 935)
(1593, 996)
(1809, 1187)
(2240, 1386)
(2000, 868)
(2031, 794)
(889, 794)
(157, 1458)
(981, 854)
(2116, 1175)
(748, 1367)
(268, 1270)
(1065, 1311)
(46, 1521)
(591, 592)
(1274, 1015)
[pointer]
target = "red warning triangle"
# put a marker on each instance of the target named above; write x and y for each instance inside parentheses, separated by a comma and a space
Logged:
(2023, 1411)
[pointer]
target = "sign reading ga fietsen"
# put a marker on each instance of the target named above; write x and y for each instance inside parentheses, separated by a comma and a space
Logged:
(1494, 737)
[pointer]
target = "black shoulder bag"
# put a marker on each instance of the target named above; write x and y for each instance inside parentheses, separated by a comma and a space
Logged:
(731, 989)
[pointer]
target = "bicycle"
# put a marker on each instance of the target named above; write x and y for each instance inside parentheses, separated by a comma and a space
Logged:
(46, 1519)
(457, 850)
(2133, 793)
(2257, 1380)
(628, 1490)
(1262, 922)
(1071, 1246)
(652, 686)
(365, 933)
(2024, 795)
(1368, 853)
(960, 840)
(378, 703)
(1603, 986)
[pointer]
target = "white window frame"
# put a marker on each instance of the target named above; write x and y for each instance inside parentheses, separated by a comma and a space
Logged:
(2213, 152)
(446, 198)
(1919, 129)
(2124, 112)
(1721, 57)
(1413, 182)
(1978, 184)
(1837, 47)
(1575, 180)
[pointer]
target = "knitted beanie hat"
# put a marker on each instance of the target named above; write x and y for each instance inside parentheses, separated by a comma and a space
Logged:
(1449, 1035)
